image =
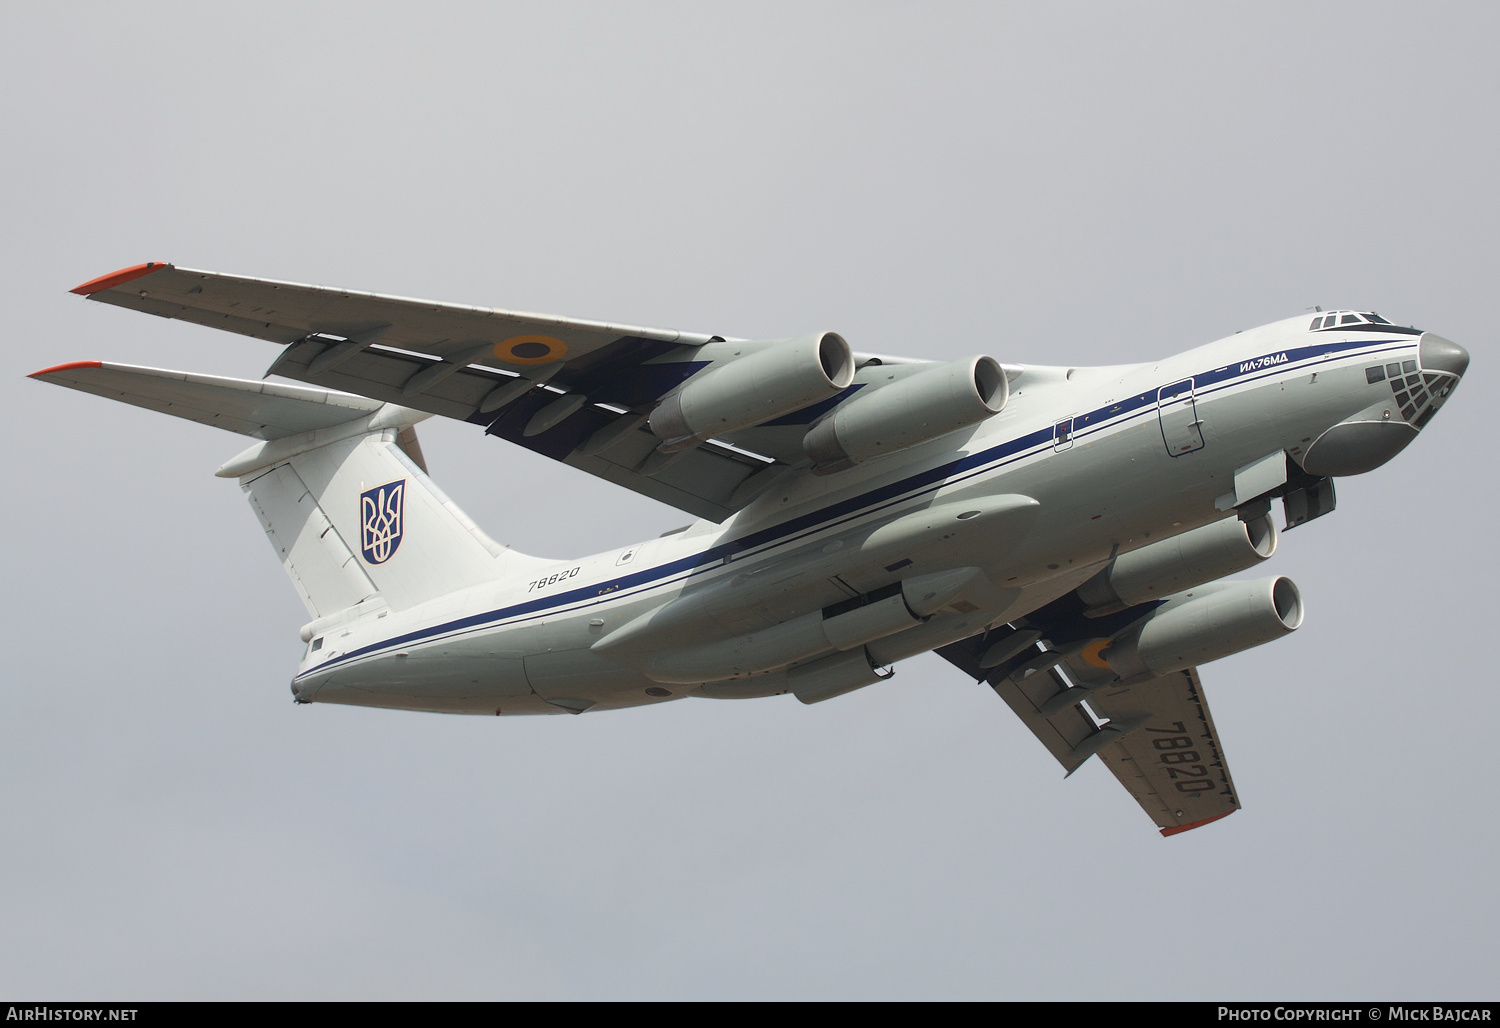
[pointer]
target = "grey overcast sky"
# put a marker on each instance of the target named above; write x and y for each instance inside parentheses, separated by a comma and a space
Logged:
(1056, 184)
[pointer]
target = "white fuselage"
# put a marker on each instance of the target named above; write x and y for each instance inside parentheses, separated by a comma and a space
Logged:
(1140, 461)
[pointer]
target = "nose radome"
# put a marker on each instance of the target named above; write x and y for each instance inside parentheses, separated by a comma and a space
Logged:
(1439, 354)
(1372, 437)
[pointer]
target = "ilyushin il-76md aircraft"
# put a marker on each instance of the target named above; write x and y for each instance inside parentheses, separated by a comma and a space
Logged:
(1061, 534)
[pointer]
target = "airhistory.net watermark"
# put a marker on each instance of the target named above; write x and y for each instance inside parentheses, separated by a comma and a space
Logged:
(44, 1012)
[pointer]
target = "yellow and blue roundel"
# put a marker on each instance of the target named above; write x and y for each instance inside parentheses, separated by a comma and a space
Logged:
(380, 521)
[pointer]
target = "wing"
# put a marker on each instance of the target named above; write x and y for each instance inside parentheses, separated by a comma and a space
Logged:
(576, 391)
(1156, 735)
(1173, 763)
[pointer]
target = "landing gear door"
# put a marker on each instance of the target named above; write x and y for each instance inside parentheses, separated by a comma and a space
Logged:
(1181, 430)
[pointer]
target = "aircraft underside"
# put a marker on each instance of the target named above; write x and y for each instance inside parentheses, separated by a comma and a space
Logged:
(1064, 535)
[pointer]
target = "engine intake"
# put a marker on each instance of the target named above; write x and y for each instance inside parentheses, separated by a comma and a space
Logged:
(776, 379)
(906, 412)
(1207, 623)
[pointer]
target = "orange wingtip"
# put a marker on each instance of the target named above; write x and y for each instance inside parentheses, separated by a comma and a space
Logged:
(115, 278)
(65, 367)
(1195, 824)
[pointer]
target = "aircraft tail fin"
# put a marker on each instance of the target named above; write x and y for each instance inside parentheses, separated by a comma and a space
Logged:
(338, 484)
(356, 515)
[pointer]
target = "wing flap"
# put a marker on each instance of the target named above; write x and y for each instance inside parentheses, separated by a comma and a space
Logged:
(381, 373)
(707, 481)
(1061, 732)
(604, 388)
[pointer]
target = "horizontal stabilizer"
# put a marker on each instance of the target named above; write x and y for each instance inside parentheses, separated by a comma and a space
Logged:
(262, 410)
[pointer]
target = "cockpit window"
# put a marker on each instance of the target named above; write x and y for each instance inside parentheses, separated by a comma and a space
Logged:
(1350, 319)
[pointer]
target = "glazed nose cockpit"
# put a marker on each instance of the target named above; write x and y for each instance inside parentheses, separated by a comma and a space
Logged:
(1417, 389)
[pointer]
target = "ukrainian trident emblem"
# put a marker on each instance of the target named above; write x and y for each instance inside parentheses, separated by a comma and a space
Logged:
(380, 512)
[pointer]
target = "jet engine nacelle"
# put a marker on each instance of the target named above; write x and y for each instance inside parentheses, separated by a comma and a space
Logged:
(908, 411)
(1207, 623)
(775, 380)
(1192, 558)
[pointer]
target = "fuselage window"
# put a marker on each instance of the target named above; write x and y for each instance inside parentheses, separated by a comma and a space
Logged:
(317, 645)
(1375, 374)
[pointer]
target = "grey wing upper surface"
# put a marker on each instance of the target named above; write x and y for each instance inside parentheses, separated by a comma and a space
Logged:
(576, 391)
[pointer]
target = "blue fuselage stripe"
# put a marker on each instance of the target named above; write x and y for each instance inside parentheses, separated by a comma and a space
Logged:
(1090, 423)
